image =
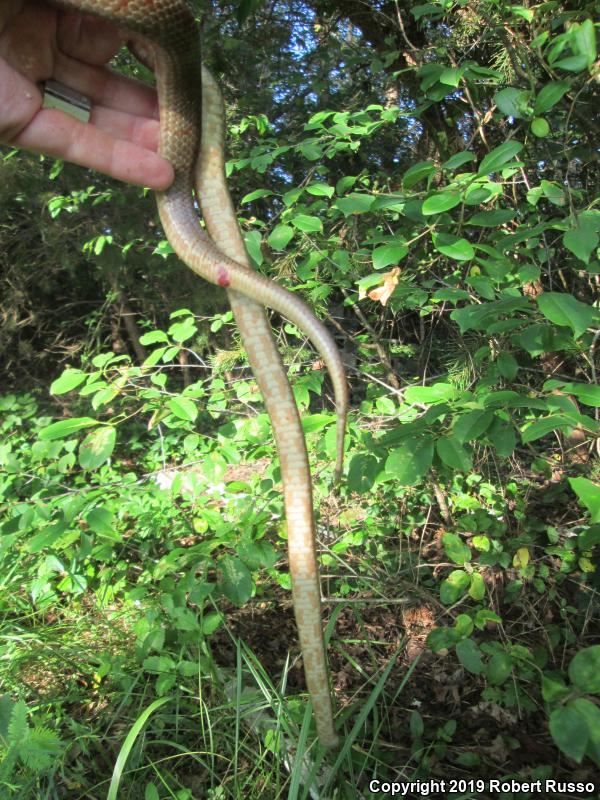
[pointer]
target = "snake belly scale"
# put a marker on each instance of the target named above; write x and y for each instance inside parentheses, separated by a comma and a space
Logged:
(169, 30)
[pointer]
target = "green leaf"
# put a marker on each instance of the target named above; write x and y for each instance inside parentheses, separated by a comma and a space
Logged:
(66, 428)
(451, 295)
(554, 193)
(540, 127)
(582, 239)
(291, 197)
(549, 95)
(468, 759)
(458, 159)
(499, 156)
(184, 619)
(320, 190)
(512, 103)
(572, 63)
(584, 41)
(589, 538)
(535, 339)
(453, 453)
(184, 330)
(417, 172)
(210, 622)
(362, 472)
(472, 425)
(587, 393)
(591, 714)
(409, 462)
(183, 408)
(452, 246)
(521, 558)
(155, 356)
(97, 447)
(341, 258)
(521, 11)
(438, 393)
(570, 732)
(454, 586)
(355, 203)
(504, 399)
(69, 380)
(151, 792)
(163, 249)
(153, 337)
(566, 310)
(237, 581)
(307, 223)
(584, 669)
(483, 286)
(189, 669)
(490, 219)
(45, 538)
(484, 617)
(463, 624)
(440, 202)
(543, 426)
(442, 639)
(253, 242)
(482, 192)
(455, 548)
(255, 195)
(100, 521)
(416, 725)
(507, 365)
(469, 656)
(589, 494)
(477, 587)
(553, 687)
(280, 237)
(388, 254)
(345, 183)
(258, 554)
(316, 422)
(498, 669)
(451, 76)
(481, 543)
(311, 150)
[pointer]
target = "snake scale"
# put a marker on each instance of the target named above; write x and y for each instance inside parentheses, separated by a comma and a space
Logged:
(191, 138)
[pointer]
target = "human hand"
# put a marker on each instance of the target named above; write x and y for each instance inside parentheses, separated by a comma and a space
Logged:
(39, 42)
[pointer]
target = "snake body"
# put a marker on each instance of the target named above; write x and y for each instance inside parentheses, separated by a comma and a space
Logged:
(169, 29)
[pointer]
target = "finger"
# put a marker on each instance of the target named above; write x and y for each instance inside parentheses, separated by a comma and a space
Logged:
(62, 136)
(88, 38)
(120, 125)
(26, 39)
(107, 87)
(19, 101)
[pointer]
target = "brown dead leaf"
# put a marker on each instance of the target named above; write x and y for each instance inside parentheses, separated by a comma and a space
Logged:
(384, 292)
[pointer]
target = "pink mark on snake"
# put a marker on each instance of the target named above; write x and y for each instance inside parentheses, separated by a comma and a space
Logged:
(223, 277)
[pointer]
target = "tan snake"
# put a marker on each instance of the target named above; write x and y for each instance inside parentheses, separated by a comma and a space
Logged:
(169, 29)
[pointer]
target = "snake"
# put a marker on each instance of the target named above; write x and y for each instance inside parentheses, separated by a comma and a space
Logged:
(192, 139)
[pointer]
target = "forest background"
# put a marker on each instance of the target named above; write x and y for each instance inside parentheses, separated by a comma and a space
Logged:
(426, 177)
